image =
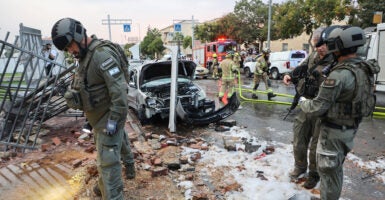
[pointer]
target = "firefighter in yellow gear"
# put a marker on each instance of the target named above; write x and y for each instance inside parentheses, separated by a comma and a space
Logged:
(215, 66)
(228, 70)
(237, 59)
(261, 72)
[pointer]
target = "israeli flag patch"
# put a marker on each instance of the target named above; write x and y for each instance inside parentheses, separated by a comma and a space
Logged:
(113, 71)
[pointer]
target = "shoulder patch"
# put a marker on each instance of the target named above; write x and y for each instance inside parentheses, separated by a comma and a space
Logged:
(330, 82)
(114, 70)
(106, 63)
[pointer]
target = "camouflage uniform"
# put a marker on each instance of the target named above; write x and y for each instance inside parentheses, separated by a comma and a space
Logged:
(339, 123)
(103, 91)
(228, 67)
(306, 127)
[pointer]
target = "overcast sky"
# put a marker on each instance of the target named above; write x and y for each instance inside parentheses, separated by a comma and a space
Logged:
(42, 14)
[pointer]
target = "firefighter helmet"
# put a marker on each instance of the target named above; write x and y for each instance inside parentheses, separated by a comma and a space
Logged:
(345, 39)
(214, 55)
(266, 51)
(66, 30)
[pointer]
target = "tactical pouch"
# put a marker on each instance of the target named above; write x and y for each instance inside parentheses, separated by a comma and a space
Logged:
(73, 99)
(98, 96)
(87, 101)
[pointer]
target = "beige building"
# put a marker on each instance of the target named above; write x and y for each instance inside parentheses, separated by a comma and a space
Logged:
(186, 30)
(301, 42)
(297, 43)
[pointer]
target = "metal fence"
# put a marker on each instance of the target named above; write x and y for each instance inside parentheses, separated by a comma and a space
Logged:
(28, 96)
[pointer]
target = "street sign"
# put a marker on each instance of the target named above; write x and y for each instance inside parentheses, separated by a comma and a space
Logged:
(127, 27)
(178, 27)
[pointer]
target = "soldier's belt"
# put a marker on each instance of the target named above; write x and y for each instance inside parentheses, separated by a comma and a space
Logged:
(337, 126)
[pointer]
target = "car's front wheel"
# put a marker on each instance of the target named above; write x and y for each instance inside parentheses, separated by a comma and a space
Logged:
(274, 73)
(142, 115)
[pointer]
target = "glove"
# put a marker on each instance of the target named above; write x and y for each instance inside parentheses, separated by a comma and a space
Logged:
(301, 100)
(111, 127)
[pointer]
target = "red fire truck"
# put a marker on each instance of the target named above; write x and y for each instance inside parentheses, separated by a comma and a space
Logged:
(203, 53)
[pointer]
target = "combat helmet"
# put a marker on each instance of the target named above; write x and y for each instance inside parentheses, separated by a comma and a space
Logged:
(345, 40)
(325, 34)
(65, 30)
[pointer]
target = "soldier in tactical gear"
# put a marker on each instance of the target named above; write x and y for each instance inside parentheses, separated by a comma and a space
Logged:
(344, 98)
(261, 72)
(308, 77)
(99, 89)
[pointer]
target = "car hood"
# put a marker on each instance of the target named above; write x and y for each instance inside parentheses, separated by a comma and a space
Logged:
(157, 70)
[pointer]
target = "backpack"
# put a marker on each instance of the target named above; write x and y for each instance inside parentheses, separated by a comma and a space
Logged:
(364, 97)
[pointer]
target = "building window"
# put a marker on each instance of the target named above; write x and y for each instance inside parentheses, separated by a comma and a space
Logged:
(285, 46)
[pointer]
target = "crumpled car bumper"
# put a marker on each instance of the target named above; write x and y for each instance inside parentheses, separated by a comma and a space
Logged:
(211, 117)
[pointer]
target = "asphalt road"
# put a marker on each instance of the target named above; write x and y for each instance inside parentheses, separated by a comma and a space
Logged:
(266, 121)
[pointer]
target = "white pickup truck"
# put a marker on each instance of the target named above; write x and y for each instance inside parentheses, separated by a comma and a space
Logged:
(374, 49)
(281, 62)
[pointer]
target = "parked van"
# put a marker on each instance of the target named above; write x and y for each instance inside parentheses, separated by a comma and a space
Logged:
(373, 49)
(285, 61)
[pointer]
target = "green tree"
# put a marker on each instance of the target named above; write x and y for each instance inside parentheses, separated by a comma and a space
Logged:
(253, 20)
(178, 36)
(294, 17)
(152, 44)
(206, 32)
(228, 27)
(187, 42)
(363, 15)
(126, 49)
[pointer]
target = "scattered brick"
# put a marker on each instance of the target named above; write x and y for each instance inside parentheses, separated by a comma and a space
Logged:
(159, 171)
(90, 149)
(76, 163)
(45, 147)
(56, 141)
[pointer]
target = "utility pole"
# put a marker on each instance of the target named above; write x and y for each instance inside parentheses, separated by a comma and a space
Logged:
(192, 37)
(110, 22)
(269, 26)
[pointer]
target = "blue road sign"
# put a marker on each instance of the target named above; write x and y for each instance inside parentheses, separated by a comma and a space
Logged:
(127, 27)
(178, 27)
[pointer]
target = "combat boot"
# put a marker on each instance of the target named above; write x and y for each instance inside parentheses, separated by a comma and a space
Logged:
(130, 171)
(96, 190)
(312, 180)
(254, 96)
(270, 95)
(297, 172)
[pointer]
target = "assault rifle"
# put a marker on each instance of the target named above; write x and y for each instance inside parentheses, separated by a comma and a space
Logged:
(297, 74)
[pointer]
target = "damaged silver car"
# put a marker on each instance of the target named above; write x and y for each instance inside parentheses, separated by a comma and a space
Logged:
(149, 94)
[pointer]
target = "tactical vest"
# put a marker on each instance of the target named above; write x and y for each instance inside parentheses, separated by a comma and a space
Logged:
(309, 85)
(364, 99)
(94, 97)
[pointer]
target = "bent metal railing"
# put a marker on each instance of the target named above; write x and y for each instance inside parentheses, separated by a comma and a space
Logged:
(28, 97)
